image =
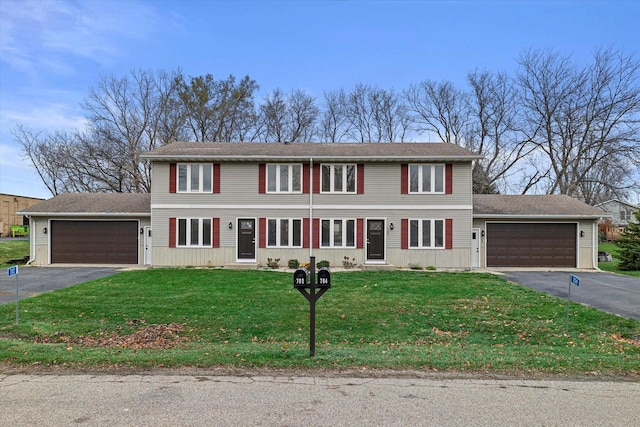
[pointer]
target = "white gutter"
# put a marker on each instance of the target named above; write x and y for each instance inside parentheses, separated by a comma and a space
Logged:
(310, 231)
(32, 240)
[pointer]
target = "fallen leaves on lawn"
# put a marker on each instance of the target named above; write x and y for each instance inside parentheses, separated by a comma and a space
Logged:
(157, 337)
(633, 342)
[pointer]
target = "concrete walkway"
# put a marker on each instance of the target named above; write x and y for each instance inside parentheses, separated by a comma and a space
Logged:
(202, 400)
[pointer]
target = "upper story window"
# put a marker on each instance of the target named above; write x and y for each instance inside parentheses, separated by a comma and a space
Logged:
(195, 177)
(426, 233)
(338, 178)
(194, 232)
(284, 178)
(426, 178)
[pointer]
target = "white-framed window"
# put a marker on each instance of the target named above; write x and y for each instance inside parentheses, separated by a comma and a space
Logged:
(284, 178)
(194, 232)
(284, 233)
(338, 178)
(426, 178)
(426, 233)
(195, 177)
(338, 233)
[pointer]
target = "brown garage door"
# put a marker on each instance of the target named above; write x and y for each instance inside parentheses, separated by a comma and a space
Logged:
(94, 242)
(531, 245)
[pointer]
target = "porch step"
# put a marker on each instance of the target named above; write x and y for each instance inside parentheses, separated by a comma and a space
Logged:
(242, 266)
(378, 267)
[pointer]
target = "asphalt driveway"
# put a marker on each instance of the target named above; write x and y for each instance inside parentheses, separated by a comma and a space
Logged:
(36, 280)
(612, 293)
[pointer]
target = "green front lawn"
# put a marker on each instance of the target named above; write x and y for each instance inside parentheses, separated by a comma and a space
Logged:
(397, 320)
(612, 266)
(12, 249)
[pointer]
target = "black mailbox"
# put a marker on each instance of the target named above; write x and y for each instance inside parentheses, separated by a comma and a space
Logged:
(300, 278)
(324, 278)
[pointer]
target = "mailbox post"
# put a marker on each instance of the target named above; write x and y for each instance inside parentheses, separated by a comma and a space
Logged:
(307, 286)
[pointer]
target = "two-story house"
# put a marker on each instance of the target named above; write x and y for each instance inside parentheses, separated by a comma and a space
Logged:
(380, 206)
(619, 215)
(375, 204)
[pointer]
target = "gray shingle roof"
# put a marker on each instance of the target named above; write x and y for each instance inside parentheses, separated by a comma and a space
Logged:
(239, 151)
(93, 204)
(548, 205)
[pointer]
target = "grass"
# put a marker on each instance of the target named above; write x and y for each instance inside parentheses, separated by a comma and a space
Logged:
(612, 266)
(390, 320)
(12, 249)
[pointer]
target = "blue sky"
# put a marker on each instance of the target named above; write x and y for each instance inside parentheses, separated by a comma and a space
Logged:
(51, 52)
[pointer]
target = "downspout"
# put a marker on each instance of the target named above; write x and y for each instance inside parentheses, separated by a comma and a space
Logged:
(32, 240)
(310, 231)
(594, 245)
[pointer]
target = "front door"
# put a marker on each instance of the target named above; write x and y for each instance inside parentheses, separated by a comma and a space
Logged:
(247, 239)
(475, 247)
(147, 245)
(375, 239)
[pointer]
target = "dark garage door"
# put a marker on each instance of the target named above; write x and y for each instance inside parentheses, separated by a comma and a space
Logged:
(94, 242)
(531, 245)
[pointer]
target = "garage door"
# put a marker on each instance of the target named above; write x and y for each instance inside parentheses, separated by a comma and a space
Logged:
(94, 242)
(531, 245)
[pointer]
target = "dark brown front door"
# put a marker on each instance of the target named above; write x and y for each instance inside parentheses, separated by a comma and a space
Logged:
(94, 242)
(246, 238)
(531, 244)
(375, 239)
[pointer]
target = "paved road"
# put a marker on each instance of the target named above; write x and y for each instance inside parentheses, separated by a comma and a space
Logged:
(612, 293)
(169, 400)
(36, 280)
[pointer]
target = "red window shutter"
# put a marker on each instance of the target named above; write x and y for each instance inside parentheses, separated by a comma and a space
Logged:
(306, 232)
(216, 177)
(316, 178)
(172, 232)
(360, 179)
(316, 233)
(262, 178)
(448, 178)
(215, 229)
(360, 233)
(172, 177)
(306, 175)
(448, 230)
(404, 233)
(404, 178)
(262, 233)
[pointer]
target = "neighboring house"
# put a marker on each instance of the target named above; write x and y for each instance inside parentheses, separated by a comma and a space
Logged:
(384, 205)
(10, 205)
(620, 214)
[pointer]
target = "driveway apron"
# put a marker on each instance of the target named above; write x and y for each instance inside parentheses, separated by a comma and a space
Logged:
(612, 293)
(36, 280)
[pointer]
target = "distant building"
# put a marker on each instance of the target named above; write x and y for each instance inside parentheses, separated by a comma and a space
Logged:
(9, 205)
(620, 214)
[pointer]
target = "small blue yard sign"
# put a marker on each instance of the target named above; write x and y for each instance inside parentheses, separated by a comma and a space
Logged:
(12, 271)
(575, 280)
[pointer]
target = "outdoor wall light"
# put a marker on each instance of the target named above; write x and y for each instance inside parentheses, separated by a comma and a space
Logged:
(44, 230)
(391, 226)
(230, 225)
(141, 230)
(482, 233)
(581, 233)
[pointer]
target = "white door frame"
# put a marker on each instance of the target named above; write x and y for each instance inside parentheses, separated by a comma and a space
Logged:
(147, 240)
(475, 247)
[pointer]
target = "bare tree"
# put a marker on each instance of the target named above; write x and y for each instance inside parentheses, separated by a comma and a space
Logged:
(493, 130)
(375, 115)
(582, 119)
(334, 123)
(289, 119)
(439, 108)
